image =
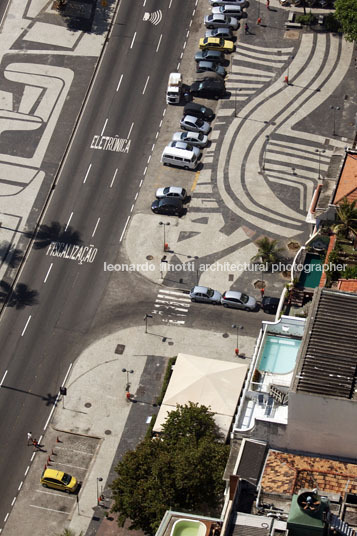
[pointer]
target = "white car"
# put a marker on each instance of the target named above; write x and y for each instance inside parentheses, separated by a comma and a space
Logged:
(194, 124)
(238, 300)
(185, 147)
(197, 139)
(228, 10)
(171, 191)
(218, 20)
(242, 3)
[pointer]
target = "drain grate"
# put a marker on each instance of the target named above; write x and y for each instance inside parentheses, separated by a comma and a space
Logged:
(120, 349)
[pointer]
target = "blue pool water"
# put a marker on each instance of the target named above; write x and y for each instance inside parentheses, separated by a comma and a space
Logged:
(279, 355)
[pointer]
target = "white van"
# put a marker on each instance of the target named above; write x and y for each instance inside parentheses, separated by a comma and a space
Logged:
(187, 159)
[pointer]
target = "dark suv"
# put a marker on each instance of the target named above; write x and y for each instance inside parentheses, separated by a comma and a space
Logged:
(169, 206)
(208, 89)
(198, 110)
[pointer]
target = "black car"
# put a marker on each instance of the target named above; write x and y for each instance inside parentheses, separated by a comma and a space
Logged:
(270, 305)
(210, 55)
(169, 206)
(208, 89)
(198, 110)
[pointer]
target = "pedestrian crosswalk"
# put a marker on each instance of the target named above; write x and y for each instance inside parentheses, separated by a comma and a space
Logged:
(172, 306)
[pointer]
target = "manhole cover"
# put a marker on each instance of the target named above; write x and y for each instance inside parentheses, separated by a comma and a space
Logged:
(149, 257)
(225, 335)
(108, 432)
(120, 349)
(87, 405)
(170, 343)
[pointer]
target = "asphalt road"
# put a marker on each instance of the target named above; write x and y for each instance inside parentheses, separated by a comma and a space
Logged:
(90, 205)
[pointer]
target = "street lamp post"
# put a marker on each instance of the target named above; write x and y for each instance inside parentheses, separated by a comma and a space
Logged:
(265, 149)
(146, 322)
(237, 327)
(127, 388)
(99, 479)
(319, 151)
(164, 224)
(334, 108)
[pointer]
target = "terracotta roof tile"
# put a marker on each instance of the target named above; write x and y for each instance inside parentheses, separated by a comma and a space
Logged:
(347, 285)
(347, 183)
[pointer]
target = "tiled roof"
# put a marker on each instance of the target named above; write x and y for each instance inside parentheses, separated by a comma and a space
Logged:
(286, 474)
(347, 285)
(328, 355)
(347, 184)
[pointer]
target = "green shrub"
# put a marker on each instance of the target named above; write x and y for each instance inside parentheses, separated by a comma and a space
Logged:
(307, 19)
(166, 380)
(350, 272)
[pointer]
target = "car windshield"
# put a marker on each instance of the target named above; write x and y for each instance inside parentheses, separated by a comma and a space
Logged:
(210, 293)
(66, 479)
(210, 17)
(166, 190)
(199, 123)
(244, 298)
(200, 136)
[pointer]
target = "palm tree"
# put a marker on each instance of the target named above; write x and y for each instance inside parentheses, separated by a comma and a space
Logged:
(347, 217)
(268, 251)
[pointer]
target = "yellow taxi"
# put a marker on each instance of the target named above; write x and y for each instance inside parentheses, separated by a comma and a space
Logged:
(51, 478)
(216, 43)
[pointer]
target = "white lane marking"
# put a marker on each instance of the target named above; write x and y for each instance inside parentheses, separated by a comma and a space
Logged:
(23, 331)
(164, 112)
(150, 156)
(170, 4)
(75, 450)
(146, 83)
(68, 221)
(194, 11)
(132, 42)
(178, 66)
(188, 33)
(181, 56)
(179, 322)
(175, 293)
(113, 179)
(191, 23)
(105, 124)
(33, 456)
(131, 128)
(13, 501)
(57, 398)
(88, 170)
(5, 519)
(136, 196)
(132, 208)
(48, 272)
(70, 465)
(175, 299)
(66, 495)
(27, 470)
(125, 226)
(20, 486)
(158, 45)
(141, 183)
(184, 45)
(144, 3)
(95, 228)
(157, 135)
(145, 170)
(160, 123)
(162, 303)
(3, 378)
(49, 509)
(118, 86)
(153, 147)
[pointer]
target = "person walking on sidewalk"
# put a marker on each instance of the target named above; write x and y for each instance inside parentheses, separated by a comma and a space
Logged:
(35, 444)
(259, 21)
(29, 438)
(246, 28)
(268, 4)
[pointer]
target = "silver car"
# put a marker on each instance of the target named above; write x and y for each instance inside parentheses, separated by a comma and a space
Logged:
(226, 33)
(185, 147)
(209, 66)
(194, 124)
(228, 10)
(218, 20)
(238, 300)
(171, 191)
(197, 139)
(206, 295)
(242, 3)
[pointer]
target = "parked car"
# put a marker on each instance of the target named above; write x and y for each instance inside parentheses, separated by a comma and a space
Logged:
(270, 305)
(207, 74)
(217, 20)
(171, 191)
(236, 11)
(216, 43)
(168, 206)
(197, 139)
(210, 55)
(52, 478)
(194, 124)
(206, 295)
(208, 89)
(238, 300)
(226, 33)
(184, 146)
(210, 66)
(198, 110)
(242, 3)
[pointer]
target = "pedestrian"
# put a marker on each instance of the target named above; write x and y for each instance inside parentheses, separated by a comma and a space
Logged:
(128, 396)
(259, 21)
(262, 290)
(246, 28)
(29, 438)
(35, 444)
(268, 4)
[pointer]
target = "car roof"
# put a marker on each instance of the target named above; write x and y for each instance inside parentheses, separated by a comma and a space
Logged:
(233, 294)
(53, 473)
(194, 106)
(176, 189)
(170, 201)
(217, 16)
(205, 63)
(191, 118)
(200, 289)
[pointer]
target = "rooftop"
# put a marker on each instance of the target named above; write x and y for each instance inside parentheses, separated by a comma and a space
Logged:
(347, 184)
(347, 285)
(286, 474)
(328, 354)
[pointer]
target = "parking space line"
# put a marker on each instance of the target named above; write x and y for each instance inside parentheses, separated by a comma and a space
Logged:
(75, 466)
(74, 450)
(197, 174)
(54, 494)
(50, 509)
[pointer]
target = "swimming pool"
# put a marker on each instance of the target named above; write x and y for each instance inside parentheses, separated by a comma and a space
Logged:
(279, 354)
(312, 276)
(188, 527)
